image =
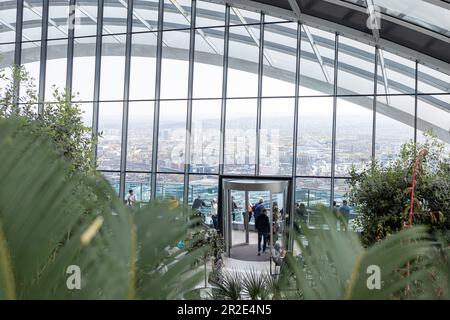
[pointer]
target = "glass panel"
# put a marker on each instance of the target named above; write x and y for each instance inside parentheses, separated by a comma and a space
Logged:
(243, 62)
(177, 14)
(143, 66)
(345, 209)
(202, 190)
(115, 16)
(277, 120)
(87, 111)
(271, 19)
(280, 49)
(175, 65)
(240, 136)
(7, 54)
(145, 15)
(85, 18)
(433, 118)
(140, 183)
(427, 14)
(58, 18)
(208, 71)
(317, 62)
(433, 81)
(399, 72)
(140, 136)
(203, 195)
(353, 134)
(172, 136)
(31, 56)
(113, 68)
(32, 21)
(315, 121)
(8, 10)
(170, 186)
(55, 75)
(6, 61)
(109, 143)
(114, 179)
(395, 126)
(356, 67)
(84, 69)
(209, 14)
(205, 137)
(310, 193)
(241, 16)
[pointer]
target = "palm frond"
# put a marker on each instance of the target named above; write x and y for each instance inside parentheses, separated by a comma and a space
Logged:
(43, 216)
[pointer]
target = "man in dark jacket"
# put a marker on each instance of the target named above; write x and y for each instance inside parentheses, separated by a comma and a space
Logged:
(262, 224)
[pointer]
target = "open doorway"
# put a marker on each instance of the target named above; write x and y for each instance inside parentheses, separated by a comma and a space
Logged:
(255, 220)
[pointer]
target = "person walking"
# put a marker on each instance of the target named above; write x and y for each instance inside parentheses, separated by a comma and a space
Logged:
(258, 208)
(262, 225)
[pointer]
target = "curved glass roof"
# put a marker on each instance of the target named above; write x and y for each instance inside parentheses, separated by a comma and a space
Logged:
(356, 67)
(433, 15)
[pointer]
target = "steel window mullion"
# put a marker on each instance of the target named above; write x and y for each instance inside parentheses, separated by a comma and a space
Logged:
(70, 45)
(260, 84)
(157, 98)
(43, 57)
(98, 63)
(335, 89)
(18, 48)
(189, 103)
(296, 126)
(126, 97)
(224, 91)
(416, 101)
(375, 91)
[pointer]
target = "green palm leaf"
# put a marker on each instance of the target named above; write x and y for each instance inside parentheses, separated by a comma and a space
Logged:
(49, 222)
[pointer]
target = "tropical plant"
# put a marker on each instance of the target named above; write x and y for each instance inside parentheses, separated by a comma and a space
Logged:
(336, 265)
(379, 192)
(48, 225)
(229, 287)
(61, 120)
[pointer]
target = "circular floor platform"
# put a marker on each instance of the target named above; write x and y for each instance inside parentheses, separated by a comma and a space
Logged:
(248, 252)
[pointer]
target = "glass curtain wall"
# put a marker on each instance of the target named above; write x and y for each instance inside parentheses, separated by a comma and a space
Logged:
(184, 91)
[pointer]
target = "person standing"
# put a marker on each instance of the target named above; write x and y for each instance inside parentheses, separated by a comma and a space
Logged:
(131, 199)
(344, 211)
(234, 208)
(262, 225)
(258, 208)
(198, 203)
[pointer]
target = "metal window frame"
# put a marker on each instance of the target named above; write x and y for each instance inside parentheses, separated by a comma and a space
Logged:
(126, 102)
(223, 111)
(70, 48)
(43, 57)
(18, 48)
(296, 125)
(335, 91)
(260, 89)
(374, 111)
(157, 104)
(97, 75)
(187, 148)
